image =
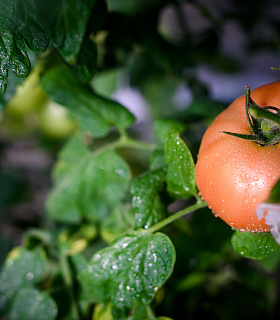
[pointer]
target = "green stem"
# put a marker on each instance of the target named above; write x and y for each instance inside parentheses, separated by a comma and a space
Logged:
(199, 204)
(248, 102)
(259, 113)
(125, 142)
(150, 312)
(66, 273)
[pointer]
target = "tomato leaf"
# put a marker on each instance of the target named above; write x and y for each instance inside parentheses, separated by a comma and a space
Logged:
(131, 269)
(22, 268)
(19, 24)
(30, 303)
(92, 186)
(181, 167)
(70, 27)
(157, 159)
(253, 245)
(95, 114)
(67, 25)
(119, 221)
(73, 151)
(275, 193)
(147, 206)
(163, 126)
(85, 66)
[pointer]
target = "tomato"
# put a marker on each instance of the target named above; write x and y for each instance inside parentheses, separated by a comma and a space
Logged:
(233, 175)
(55, 122)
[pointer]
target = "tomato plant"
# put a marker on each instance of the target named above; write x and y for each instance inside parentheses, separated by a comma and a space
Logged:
(235, 174)
(103, 106)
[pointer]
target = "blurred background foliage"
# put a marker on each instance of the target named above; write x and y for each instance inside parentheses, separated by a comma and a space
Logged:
(182, 60)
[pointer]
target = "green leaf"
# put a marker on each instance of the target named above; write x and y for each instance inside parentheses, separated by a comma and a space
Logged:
(131, 269)
(147, 206)
(70, 27)
(30, 303)
(85, 67)
(73, 151)
(275, 193)
(91, 188)
(163, 126)
(157, 159)
(22, 268)
(181, 167)
(119, 221)
(254, 245)
(19, 24)
(95, 114)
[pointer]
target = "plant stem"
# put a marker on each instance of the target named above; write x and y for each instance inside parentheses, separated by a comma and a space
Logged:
(126, 142)
(66, 273)
(259, 113)
(199, 204)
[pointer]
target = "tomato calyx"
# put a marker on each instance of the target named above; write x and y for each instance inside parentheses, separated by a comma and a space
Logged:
(264, 123)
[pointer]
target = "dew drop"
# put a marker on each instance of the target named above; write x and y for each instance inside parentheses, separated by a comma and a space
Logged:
(247, 176)
(29, 276)
(250, 186)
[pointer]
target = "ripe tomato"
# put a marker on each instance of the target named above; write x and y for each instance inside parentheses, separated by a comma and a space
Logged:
(234, 175)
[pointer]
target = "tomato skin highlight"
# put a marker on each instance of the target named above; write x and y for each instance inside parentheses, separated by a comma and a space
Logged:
(233, 175)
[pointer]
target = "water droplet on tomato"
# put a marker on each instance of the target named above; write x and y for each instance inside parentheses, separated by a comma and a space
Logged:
(247, 176)
(250, 186)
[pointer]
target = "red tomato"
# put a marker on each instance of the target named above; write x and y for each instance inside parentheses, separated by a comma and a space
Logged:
(234, 175)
